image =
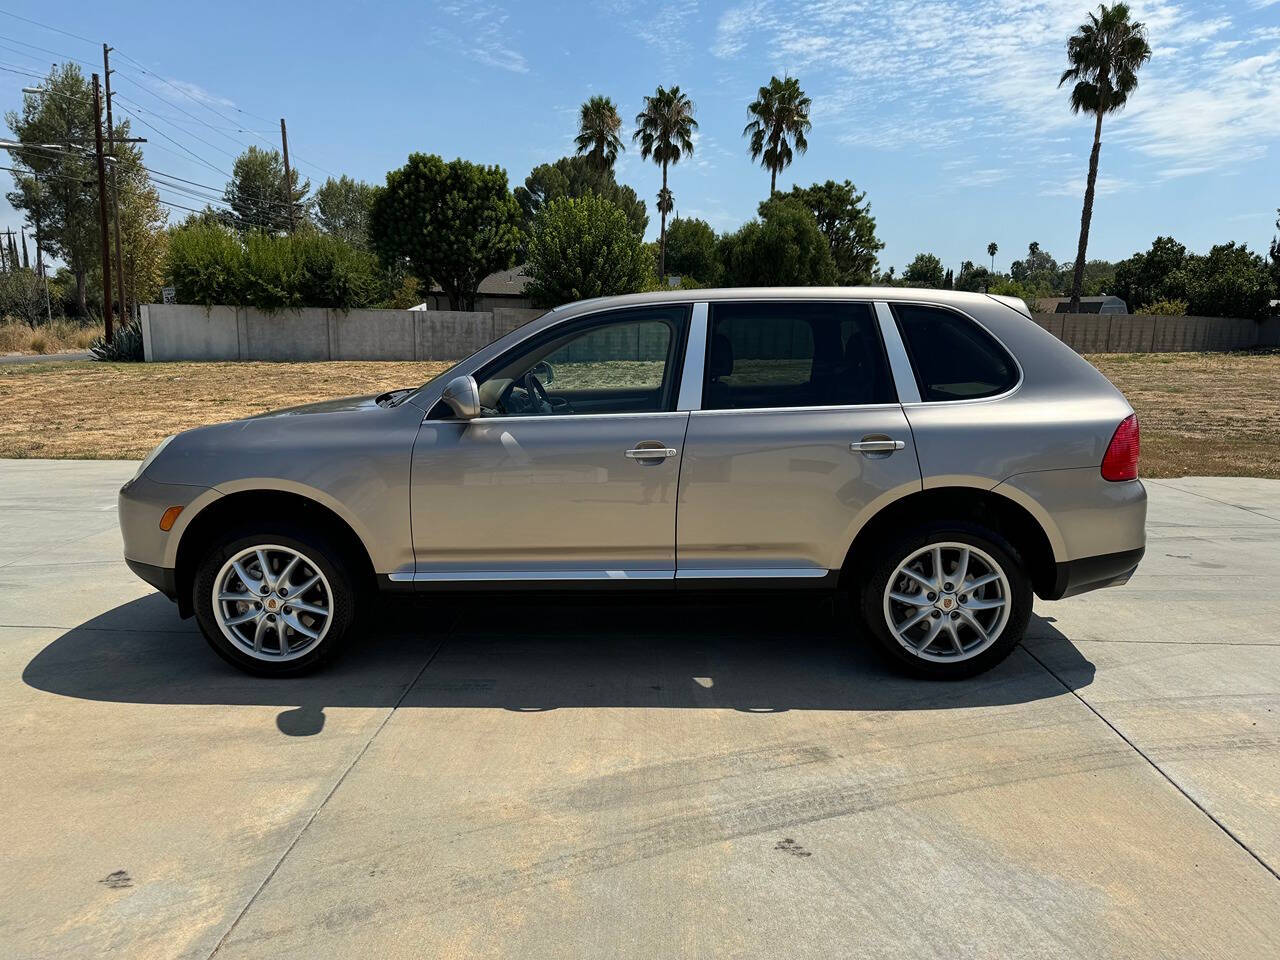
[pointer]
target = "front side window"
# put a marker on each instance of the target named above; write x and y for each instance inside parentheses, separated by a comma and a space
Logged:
(789, 354)
(623, 363)
(954, 358)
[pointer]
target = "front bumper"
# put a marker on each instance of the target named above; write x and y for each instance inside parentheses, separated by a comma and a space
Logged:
(1093, 573)
(164, 579)
(150, 552)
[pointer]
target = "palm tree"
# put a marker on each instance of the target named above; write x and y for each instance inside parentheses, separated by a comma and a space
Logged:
(664, 129)
(992, 250)
(1105, 55)
(598, 127)
(781, 110)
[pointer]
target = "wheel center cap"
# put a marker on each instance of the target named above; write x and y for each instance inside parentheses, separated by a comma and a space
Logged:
(946, 603)
(271, 603)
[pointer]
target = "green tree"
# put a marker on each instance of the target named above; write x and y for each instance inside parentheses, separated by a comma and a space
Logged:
(844, 217)
(577, 177)
(258, 196)
(780, 117)
(55, 188)
(342, 208)
(693, 251)
(1159, 274)
(1039, 266)
(1231, 281)
(144, 220)
(783, 248)
(664, 130)
(452, 223)
(992, 249)
(1105, 55)
(584, 247)
(974, 279)
(598, 136)
(924, 271)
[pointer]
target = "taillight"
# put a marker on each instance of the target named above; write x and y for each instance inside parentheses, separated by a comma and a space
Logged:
(1121, 459)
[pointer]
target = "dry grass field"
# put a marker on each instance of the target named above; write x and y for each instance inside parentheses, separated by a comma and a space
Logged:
(56, 337)
(1203, 414)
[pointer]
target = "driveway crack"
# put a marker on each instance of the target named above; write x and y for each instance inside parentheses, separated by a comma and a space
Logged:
(1155, 766)
(333, 790)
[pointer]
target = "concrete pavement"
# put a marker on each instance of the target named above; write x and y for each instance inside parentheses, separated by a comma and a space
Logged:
(565, 779)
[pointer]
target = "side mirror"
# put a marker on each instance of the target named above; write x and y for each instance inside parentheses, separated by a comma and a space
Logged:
(463, 397)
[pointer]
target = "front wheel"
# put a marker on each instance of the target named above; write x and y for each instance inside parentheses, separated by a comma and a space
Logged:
(947, 602)
(274, 602)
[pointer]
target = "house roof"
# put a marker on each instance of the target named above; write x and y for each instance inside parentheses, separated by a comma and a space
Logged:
(503, 282)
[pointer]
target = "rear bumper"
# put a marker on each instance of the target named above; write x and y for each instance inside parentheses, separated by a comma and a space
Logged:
(1093, 573)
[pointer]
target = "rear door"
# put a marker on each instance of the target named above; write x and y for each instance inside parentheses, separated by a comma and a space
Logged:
(799, 439)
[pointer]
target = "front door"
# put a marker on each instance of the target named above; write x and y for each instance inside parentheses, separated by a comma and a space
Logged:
(799, 440)
(571, 472)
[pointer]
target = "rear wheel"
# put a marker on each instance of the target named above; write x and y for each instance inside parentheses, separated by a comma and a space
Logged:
(274, 602)
(947, 602)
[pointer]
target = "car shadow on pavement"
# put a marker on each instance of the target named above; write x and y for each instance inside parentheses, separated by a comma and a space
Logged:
(758, 654)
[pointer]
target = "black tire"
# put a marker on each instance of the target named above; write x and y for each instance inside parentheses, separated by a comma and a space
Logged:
(319, 552)
(870, 599)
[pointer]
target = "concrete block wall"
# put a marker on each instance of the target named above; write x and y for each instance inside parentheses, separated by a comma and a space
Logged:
(1142, 333)
(191, 332)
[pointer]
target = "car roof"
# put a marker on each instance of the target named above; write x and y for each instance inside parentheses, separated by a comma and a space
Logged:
(955, 298)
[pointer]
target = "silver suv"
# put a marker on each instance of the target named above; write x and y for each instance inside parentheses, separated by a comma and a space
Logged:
(935, 456)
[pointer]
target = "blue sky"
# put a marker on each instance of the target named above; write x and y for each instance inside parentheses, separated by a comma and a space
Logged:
(946, 113)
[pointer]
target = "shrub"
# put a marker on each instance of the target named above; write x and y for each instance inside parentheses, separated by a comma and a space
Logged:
(209, 264)
(585, 247)
(22, 295)
(39, 343)
(125, 345)
(1165, 308)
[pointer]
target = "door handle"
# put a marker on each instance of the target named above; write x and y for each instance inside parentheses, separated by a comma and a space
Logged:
(651, 453)
(884, 445)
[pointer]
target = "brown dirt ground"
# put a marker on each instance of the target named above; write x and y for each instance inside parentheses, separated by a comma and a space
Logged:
(1202, 414)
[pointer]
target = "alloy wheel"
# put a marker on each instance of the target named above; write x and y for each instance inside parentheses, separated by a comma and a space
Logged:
(272, 602)
(947, 602)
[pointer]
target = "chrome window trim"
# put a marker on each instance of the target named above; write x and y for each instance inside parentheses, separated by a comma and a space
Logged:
(1017, 364)
(695, 359)
(562, 417)
(904, 378)
(506, 576)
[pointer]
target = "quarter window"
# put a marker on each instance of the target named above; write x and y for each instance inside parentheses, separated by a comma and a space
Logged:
(954, 358)
(787, 354)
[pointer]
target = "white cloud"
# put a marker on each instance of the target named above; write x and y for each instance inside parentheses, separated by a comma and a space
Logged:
(916, 74)
(166, 85)
(478, 30)
(1074, 186)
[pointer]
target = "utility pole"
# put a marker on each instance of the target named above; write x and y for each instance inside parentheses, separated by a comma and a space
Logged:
(288, 180)
(102, 209)
(115, 184)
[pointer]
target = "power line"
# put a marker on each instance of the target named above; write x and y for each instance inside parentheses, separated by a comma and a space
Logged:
(146, 110)
(25, 73)
(46, 174)
(180, 146)
(37, 23)
(36, 46)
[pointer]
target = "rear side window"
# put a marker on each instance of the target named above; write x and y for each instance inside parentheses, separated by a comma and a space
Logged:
(954, 358)
(788, 354)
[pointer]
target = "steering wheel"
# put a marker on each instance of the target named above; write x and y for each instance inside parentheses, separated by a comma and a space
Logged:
(537, 393)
